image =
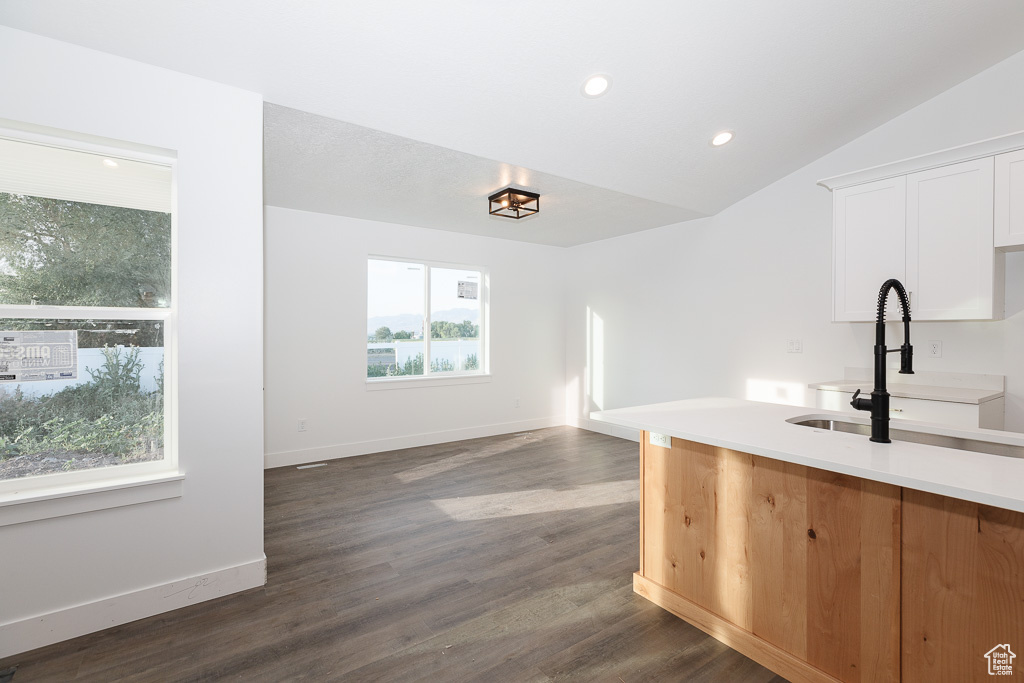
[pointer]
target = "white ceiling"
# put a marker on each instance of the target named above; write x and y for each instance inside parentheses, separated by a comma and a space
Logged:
(315, 163)
(794, 78)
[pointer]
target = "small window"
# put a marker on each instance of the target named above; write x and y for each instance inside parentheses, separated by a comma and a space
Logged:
(424, 320)
(86, 309)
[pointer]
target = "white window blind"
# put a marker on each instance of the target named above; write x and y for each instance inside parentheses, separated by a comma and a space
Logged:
(57, 173)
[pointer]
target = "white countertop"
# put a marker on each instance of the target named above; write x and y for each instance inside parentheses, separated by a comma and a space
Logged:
(919, 391)
(761, 429)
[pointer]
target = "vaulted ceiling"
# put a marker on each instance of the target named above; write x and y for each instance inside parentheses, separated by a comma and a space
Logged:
(501, 81)
(316, 163)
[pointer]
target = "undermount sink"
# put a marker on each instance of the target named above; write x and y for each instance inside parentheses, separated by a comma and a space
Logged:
(927, 438)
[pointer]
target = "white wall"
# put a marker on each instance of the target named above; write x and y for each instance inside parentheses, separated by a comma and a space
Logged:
(705, 307)
(316, 295)
(69, 575)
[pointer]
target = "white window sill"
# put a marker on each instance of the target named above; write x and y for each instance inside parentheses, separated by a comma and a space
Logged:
(413, 382)
(32, 505)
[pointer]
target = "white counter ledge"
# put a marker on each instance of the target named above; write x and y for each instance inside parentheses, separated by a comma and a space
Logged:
(950, 387)
(761, 429)
(922, 392)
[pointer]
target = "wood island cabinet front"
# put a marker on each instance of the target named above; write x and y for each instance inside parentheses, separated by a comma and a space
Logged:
(827, 577)
(794, 559)
(962, 588)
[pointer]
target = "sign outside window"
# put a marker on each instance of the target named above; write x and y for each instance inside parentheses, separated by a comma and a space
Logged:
(38, 355)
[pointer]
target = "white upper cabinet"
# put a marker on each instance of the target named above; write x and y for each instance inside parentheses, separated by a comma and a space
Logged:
(951, 260)
(1009, 204)
(869, 245)
(939, 223)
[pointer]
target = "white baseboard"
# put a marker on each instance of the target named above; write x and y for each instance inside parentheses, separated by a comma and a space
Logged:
(33, 632)
(346, 450)
(604, 428)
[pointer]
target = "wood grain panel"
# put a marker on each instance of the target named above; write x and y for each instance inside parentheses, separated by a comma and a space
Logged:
(881, 530)
(962, 587)
(778, 536)
(658, 510)
(807, 561)
(645, 438)
(695, 545)
(733, 487)
(833, 573)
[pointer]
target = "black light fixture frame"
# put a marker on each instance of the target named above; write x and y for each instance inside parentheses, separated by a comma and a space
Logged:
(521, 203)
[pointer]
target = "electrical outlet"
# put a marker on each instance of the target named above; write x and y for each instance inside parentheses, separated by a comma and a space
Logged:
(935, 349)
(661, 440)
(303, 425)
(515, 403)
(794, 346)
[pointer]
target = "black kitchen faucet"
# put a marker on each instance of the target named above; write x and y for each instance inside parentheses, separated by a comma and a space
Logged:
(878, 404)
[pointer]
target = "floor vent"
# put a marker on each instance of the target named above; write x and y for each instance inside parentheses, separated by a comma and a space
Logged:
(300, 467)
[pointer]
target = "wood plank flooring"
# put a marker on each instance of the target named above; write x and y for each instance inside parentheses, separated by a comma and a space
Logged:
(508, 558)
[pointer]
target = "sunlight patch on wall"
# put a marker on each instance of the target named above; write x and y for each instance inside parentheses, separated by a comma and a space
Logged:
(594, 372)
(572, 398)
(774, 391)
(535, 501)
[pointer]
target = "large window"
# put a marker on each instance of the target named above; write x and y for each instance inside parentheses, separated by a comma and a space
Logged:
(86, 312)
(425, 319)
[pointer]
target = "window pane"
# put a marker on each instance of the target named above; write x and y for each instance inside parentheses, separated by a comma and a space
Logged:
(454, 320)
(111, 414)
(394, 319)
(56, 252)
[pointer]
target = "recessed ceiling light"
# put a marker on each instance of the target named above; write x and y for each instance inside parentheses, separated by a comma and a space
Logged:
(110, 162)
(596, 85)
(722, 138)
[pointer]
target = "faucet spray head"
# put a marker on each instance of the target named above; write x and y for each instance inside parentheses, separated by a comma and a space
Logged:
(906, 351)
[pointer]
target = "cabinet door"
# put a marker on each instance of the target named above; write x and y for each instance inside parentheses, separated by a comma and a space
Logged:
(1009, 207)
(869, 245)
(950, 252)
(962, 592)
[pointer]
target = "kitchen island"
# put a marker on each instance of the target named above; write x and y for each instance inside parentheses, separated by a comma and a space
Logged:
(822, 555)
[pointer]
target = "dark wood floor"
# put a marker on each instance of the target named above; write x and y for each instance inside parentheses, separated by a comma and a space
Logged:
(500, 559)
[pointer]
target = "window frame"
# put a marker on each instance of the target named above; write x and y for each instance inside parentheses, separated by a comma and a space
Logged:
(429, 378)
(46, 487)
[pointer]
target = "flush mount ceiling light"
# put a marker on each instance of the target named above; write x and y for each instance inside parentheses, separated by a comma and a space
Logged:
(513, 203)
(722, 138)
(110, 163)
(596, 85)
